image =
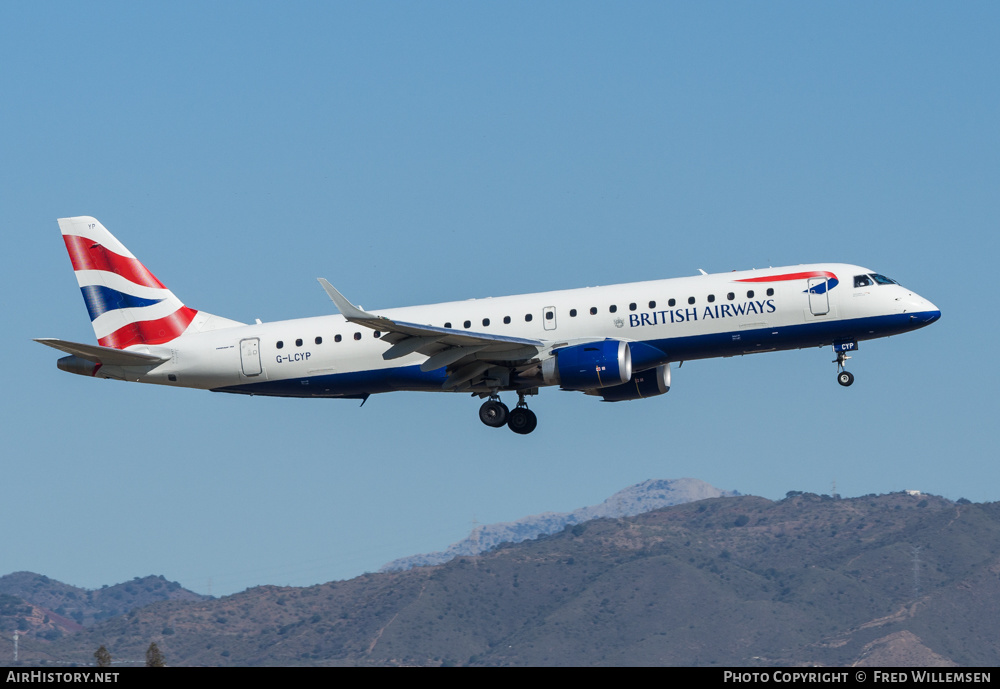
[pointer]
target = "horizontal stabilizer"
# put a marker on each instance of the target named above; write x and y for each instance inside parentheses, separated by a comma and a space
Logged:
(102, 355)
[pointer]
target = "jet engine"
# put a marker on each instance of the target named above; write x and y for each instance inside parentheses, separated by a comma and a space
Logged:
(655, 381)
(590, 365)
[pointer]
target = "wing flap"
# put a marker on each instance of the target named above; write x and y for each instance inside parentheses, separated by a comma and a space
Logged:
(406, 344)
(449, 356)
(465, 374)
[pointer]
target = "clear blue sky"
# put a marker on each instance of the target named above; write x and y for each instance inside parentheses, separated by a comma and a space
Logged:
(422, 152)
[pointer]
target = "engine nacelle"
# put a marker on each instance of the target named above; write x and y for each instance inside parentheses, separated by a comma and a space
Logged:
(590, 365)
(655, 381)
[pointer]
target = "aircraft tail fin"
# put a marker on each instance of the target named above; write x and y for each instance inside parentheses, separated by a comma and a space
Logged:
(127, 304)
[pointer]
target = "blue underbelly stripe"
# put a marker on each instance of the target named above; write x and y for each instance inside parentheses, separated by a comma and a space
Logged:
(730, 343)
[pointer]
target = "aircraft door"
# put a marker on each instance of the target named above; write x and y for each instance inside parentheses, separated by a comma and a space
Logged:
(250, 356)
(549, 317)
(819, 296)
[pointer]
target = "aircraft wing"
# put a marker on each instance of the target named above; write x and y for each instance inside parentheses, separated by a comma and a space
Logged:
(466, 354)
(102, 355)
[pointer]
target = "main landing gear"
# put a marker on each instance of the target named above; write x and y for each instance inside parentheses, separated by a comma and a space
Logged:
(845, 378)
(495, 414)
(522, 420)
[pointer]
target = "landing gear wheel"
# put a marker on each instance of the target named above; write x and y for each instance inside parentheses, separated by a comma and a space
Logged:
(843, 377)
(522, 421)
(494, 413)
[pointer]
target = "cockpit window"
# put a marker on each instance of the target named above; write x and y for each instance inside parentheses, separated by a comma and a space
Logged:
(862, 281)
(883, 280)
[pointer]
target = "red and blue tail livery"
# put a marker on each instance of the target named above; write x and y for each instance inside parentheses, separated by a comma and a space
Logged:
(127, 304)
(616, 342)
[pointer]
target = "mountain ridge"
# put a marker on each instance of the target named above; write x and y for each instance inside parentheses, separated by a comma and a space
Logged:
(810, 580)
(642, 497)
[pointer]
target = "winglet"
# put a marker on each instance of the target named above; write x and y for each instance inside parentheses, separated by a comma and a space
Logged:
(352, 312)
(349, 310)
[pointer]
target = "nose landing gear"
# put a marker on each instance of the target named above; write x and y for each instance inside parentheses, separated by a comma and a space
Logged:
(845, 378)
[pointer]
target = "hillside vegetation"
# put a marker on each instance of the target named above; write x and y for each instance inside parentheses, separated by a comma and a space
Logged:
(743, 581)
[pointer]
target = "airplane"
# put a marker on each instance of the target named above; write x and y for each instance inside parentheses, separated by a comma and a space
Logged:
(616, 342)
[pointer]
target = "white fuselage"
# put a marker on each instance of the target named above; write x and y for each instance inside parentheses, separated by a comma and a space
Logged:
(696, 317)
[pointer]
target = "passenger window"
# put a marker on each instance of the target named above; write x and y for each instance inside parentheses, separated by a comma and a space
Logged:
(652, 304)
(506, 319)
(357, 336)
(690, 300)
(549, 315)
(319, 340)
(486, 322)
(298, 342)
(711, 298)
(672, 302)
(593, 310)
(631, 307)
(730, 296)
(377, 334)
(337, 338)
(447, 325)
(770, 291)
(572, 313)
(527, 318)
(613, 308)
(750, 294)
(468, 324)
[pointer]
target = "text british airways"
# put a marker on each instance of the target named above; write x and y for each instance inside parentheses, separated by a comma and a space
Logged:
(708, 312)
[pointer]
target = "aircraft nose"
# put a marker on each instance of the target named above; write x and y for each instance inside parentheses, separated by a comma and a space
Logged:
(926, 313)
